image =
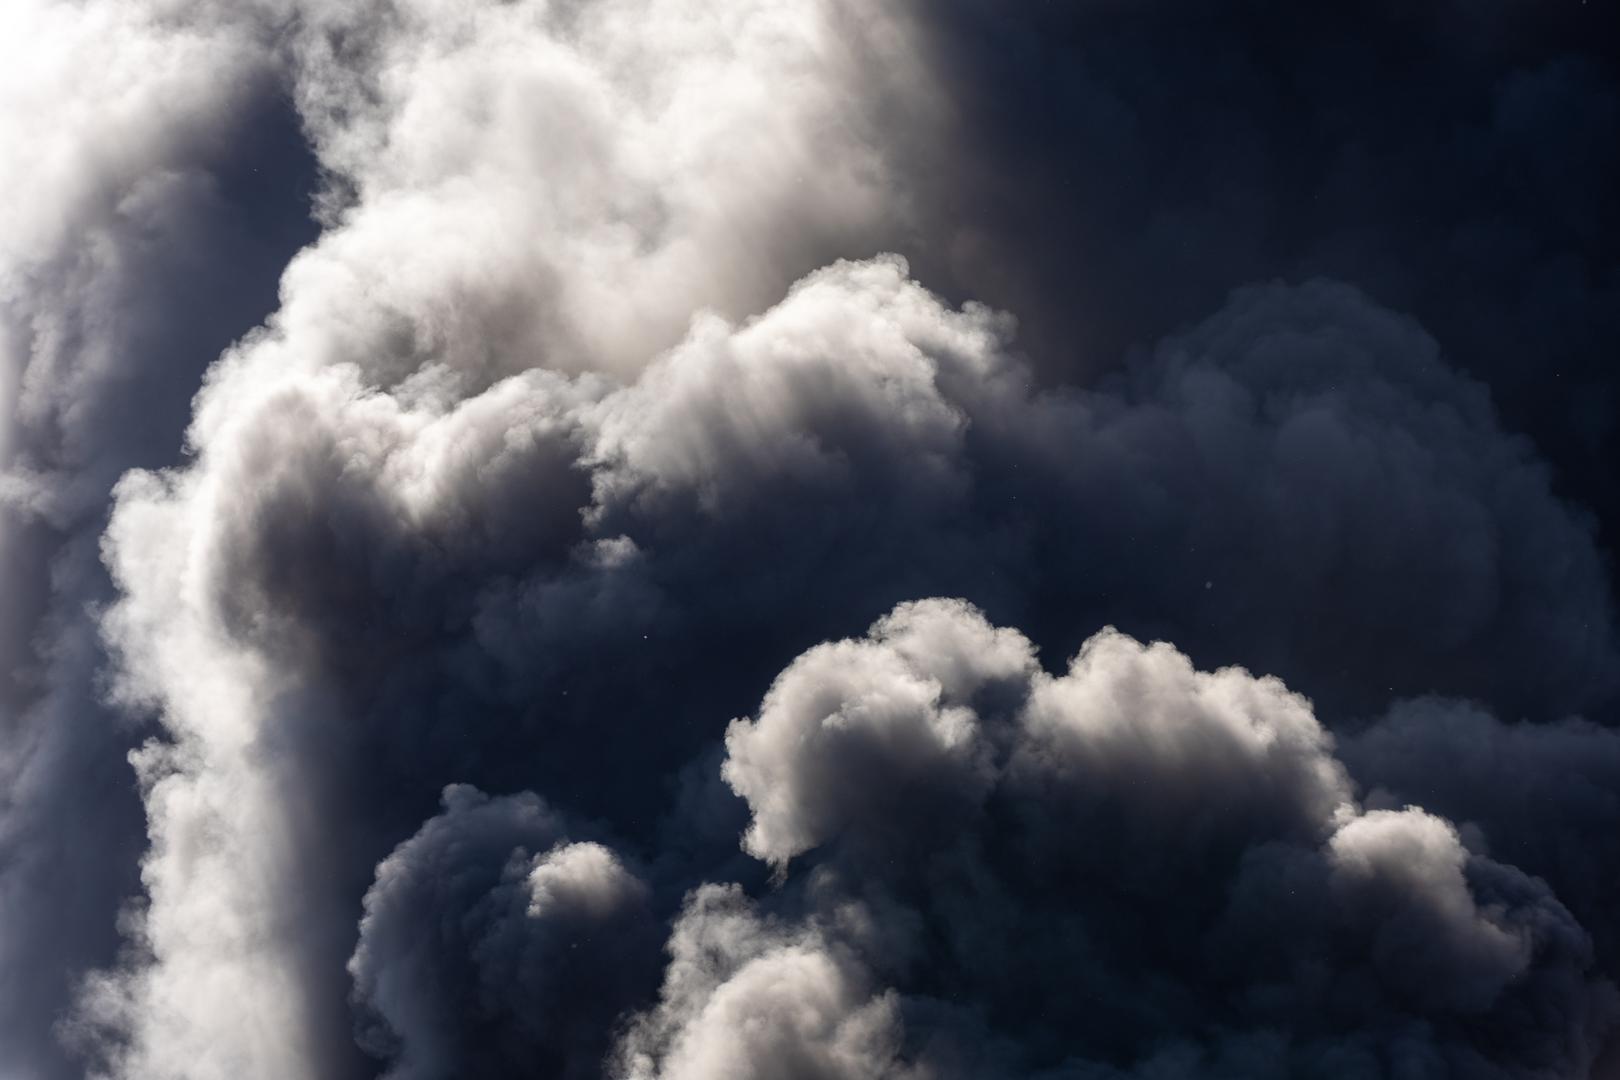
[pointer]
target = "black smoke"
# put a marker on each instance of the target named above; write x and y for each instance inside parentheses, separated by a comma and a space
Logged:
(395, 733)
(1116, 168)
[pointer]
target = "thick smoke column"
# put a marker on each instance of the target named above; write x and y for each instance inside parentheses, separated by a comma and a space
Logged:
(395, 731)
(140, 158)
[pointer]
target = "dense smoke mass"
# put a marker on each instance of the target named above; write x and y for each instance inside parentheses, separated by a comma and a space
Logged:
(675, 540)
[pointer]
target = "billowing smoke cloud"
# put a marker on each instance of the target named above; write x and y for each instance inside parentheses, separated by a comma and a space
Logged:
(597, 411)
(541, 951)
(1540, 796)
(1114, 168)
(352, 567)
(1133, 868)
(563, 185)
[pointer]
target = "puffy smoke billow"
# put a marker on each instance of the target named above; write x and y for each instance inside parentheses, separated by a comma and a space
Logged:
(1540, 796)
(562, 185)
(597, 410)
(1132, 868)
(493, 945)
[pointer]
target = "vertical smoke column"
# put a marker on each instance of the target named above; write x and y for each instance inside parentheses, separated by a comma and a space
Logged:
(152, 186)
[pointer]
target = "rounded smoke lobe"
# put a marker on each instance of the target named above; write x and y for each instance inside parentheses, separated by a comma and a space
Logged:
(799, 539)
(1132, 868)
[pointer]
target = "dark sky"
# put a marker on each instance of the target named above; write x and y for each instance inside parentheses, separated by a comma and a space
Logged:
(669, 540)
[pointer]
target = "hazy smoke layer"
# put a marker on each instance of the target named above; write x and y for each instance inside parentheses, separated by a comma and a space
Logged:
(387, 728)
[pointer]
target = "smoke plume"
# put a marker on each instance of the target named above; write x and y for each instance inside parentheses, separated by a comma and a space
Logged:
(652, 539)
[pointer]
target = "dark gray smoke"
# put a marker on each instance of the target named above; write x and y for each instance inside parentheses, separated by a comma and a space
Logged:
(1131, 868)
(597, 416)
(493, 945)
